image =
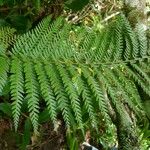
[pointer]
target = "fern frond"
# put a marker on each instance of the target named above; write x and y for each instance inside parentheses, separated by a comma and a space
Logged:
(127, 53)
(105, 46)
(141, 72)
(27, 42)
(46, 44)
(129, 87)
(4, 69)
(85, 93)
(137, 79)
(97, 92)
(61, 96)
(61, 47)
(105, 39)
(96, 46)
(142, 39)
(47, 92)
(68, 73)
(121, 90)
(32, 93)
(131, 39)
(87, 44)
(115, 101)
(6, 37)
(72, 93)
(17, 89)
(118, 44)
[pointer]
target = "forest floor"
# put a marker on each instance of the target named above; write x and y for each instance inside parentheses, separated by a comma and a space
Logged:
(50, 139)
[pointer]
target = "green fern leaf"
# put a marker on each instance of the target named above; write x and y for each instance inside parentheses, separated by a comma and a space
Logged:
(26, 43)
(130, 36)
(46, 91)
(85, 92)
(61, 96)
(118, 44)
(142, 39)
(115, 101)
(137, 79)
(97, 70)
(121, 90)
(32, 91)
(17, 89)
(4, 69)
(6, 37)
(98, 94)
(72, 93)
(130, 88)
(141, 73)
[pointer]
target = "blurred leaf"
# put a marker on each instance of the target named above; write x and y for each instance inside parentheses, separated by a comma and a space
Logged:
(20, 22)
(3, 23)
(72, 141)
(10, 2)
(1, 2)
(146, 130)
(37, 4)
(147, 106)
(44, 116)
(6, 88)
(2, 50)
(26, 135)
(147, 134)
(6, 109)
(76, 5)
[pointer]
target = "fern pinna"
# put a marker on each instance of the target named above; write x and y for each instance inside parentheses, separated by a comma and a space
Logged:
(77, 76)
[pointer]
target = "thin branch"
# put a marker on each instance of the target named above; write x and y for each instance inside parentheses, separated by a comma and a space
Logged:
(109, 17)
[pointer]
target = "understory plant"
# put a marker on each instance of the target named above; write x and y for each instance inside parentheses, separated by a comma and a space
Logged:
(84, 75)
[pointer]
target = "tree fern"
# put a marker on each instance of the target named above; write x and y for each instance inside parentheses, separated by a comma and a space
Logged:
(76, 76)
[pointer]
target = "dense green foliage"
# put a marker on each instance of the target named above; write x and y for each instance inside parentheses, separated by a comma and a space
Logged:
(93, 75)
(76, 76)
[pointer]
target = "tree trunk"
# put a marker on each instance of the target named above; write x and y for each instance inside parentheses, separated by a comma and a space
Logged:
(127, 136)
(126, 130)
